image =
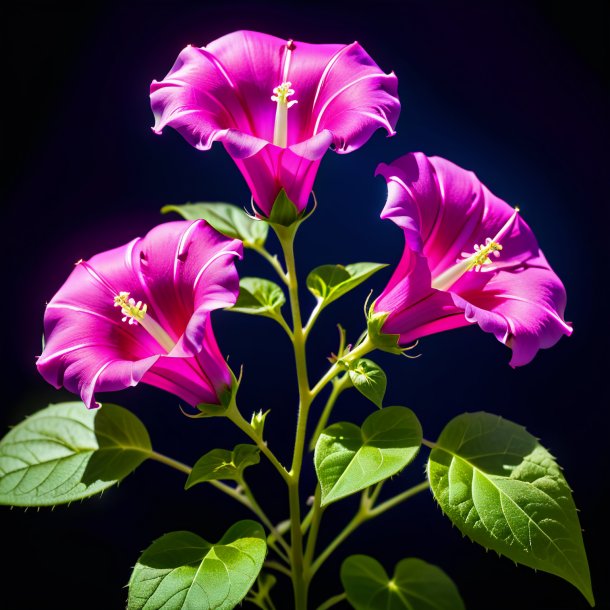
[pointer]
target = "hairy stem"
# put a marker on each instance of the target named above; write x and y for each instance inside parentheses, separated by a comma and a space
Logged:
(260, 513)
(286, 236)
(313, 532)
(365, 512)
(405, 495)
(237, 418)
(272, 260)
(339, 384)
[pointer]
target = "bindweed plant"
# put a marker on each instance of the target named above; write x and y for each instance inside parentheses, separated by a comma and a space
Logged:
(142, 312)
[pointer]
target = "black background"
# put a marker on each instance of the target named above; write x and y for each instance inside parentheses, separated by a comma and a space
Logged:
(513, 90)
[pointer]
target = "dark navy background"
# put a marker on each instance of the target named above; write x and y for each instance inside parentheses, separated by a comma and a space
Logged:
(513, 90)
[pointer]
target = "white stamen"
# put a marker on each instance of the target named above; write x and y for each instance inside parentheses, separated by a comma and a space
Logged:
(135, 313)
(477, 260)
(280, 129)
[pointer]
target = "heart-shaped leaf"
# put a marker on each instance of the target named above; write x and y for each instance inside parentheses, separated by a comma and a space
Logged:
(225, 218)
(369, 379)
(259, 297)
(67, 452)
(348, 458)
(220, 464)
(181, 570)
(329, 282)
(415, 585)
(502, 489)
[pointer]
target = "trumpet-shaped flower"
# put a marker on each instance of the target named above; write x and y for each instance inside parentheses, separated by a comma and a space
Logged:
(469, 258)
(141, 312)
(276, 105)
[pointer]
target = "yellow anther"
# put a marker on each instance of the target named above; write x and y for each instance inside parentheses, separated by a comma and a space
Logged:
(133, 312)
(481, 254)
(280, 128)
(476, 260)
(282, 93)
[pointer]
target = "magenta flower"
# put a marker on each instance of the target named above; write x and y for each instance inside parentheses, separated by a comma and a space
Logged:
(276, 105)
(469, 257)
(141, 312)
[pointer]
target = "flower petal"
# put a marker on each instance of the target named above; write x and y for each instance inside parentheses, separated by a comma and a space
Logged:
(445, 212)
(223, 92)
(187, 270)
(354, 99)
(180, 271)
(523, 308)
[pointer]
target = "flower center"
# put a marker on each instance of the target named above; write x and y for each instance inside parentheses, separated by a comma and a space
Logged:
(481, 253)
(136, 313)
(477, 260)
(133, 312)
(280, 129)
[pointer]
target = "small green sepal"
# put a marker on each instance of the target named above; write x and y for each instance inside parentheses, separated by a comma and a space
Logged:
(284, 212)
(227, 397)
(258, 422)
(383, 341)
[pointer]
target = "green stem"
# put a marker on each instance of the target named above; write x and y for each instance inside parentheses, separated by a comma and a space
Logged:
(274, 565)
(298, 581)
(279, 318)
(405, 495)
(271, 259)
(260, 513)
(365, 512)
(227, 489)
(313, 532)
(237, 418)
(332, 601)
(313, 317)
(359, 518)
(374, 494)
(286, 236)
(159, 457)
(339, 384)
(428, 443)
(360, 350)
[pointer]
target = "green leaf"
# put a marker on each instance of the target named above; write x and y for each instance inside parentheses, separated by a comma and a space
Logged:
(226, 218)
(221, 464)
(329, 282)
(182, 570)
(369, 379)
(502, 489)
(283, 212)
(67, 452)
(348, 458)
(415, 585)
(259, 297)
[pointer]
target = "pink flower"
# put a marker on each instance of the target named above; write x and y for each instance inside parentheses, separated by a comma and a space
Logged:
(276, 105)
(141, 312)
(469, 257)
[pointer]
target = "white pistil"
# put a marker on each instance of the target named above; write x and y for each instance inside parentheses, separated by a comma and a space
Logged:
(477, 260)
(135, 313)
(280, 129)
